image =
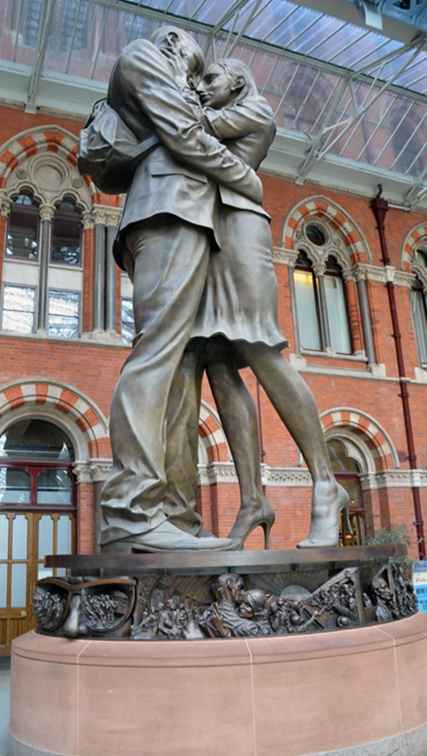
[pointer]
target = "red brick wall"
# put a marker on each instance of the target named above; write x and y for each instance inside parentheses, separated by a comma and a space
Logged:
(94, 368)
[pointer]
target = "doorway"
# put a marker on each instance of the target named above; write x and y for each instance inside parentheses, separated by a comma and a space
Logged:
(37, 516)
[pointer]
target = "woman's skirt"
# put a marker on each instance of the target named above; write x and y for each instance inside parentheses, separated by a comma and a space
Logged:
(239, 301)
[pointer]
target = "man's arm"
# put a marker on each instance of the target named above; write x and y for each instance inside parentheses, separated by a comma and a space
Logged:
(148, 80)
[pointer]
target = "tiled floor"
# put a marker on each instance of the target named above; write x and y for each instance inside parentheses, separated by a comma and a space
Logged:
(4, 703)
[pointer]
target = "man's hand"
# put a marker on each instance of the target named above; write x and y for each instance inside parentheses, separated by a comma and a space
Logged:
(179, 67)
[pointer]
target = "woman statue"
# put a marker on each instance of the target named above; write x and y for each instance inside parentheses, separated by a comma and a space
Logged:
(235, 327)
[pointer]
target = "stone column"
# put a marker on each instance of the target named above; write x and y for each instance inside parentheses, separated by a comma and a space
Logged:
(5, 207)
(290, 258)
(353, 311)
(99, 276)
(88, 273)
(319, 271)
(366, 316)
(104, 280)
(110, 280)
(47, 213)
(85, 516)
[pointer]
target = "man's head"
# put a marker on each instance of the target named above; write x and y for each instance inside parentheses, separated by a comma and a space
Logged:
(172, 41)
(226, 81)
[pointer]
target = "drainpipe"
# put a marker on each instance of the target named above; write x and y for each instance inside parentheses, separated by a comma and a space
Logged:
(379, 208)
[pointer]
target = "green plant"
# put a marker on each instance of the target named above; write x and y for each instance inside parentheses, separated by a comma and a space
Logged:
(393, 535)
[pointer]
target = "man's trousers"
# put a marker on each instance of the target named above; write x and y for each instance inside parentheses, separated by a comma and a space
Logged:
(168, 261)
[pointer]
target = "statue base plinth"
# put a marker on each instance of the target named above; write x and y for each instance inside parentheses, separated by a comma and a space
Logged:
(359, 691)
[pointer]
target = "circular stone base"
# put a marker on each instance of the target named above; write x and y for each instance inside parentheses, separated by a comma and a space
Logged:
(357, 691)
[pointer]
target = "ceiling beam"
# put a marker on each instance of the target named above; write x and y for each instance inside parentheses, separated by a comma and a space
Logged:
(352, 11)
(41, 52)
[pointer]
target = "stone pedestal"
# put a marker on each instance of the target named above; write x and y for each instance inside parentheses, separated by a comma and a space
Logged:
(358, 691)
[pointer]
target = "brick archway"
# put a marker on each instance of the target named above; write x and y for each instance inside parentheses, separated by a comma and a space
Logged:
(384, 454)
(322, 207)
(212, 435)
(39, 394)
(36, 141)
(410, 244)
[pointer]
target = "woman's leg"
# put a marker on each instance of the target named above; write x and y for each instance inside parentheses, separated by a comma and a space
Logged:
(296, 407)
(238, 416)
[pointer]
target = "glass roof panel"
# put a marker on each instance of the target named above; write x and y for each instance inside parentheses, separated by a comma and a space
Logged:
(285, 43)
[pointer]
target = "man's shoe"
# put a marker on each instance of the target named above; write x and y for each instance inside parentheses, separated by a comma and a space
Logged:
(166, 537)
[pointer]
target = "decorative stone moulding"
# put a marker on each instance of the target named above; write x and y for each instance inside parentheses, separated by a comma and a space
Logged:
(234, 594)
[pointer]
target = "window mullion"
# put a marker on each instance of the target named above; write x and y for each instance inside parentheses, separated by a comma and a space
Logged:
(110, 283)
(319, 280)
(46, 216)
(99, 278)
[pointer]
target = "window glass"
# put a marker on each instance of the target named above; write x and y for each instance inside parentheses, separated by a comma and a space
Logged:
(64, 314)
(66, 235)
(15, 486)
(64, 544)
(315, 234)
(23, 229)
(18, 308)
(32, 20)
(4, 536)
(306, 309)
(337, 314)
(19, 585)
(3, 585)
(35, 439)
(420, 320)
(53, 487)
(128, 325)
(45, 536)
(75, 24)
(19, 537)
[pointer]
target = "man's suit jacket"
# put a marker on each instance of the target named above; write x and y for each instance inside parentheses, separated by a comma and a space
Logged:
(180, 176)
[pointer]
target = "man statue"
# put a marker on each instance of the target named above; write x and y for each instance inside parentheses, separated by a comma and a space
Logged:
(168, 228)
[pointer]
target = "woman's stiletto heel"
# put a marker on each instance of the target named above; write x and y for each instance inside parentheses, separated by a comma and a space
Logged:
(266, 526)
(247, 521)
(324, 530)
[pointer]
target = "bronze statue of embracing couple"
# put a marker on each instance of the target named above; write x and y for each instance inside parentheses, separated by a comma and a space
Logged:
(196, 242)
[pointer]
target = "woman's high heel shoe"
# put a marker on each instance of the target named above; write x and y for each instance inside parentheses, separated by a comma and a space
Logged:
(248, 519)
(324, 529)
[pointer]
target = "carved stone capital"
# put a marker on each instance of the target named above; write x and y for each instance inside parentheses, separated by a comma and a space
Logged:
(100, 470)
(87, 219)
(82, 472)
(319, 267)
(47, 212)
(285, 256)
(348, 275)
(93, 471)
(5, 206)
(403, 278)
(106, 216)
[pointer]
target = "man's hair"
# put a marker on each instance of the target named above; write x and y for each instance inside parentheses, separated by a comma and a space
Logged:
(196, 50)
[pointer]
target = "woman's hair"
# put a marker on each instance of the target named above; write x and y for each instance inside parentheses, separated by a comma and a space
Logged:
(234, 67)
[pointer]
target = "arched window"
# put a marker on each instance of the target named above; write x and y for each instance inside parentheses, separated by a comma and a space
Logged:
(37, 514)
(336, 308)
(307, 301)
(321, 307)
(23, 228)
(35, 466)
(48, 299)
(419, 304)
(66, 234)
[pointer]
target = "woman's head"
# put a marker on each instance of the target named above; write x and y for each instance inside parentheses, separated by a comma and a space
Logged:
(226, 81)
